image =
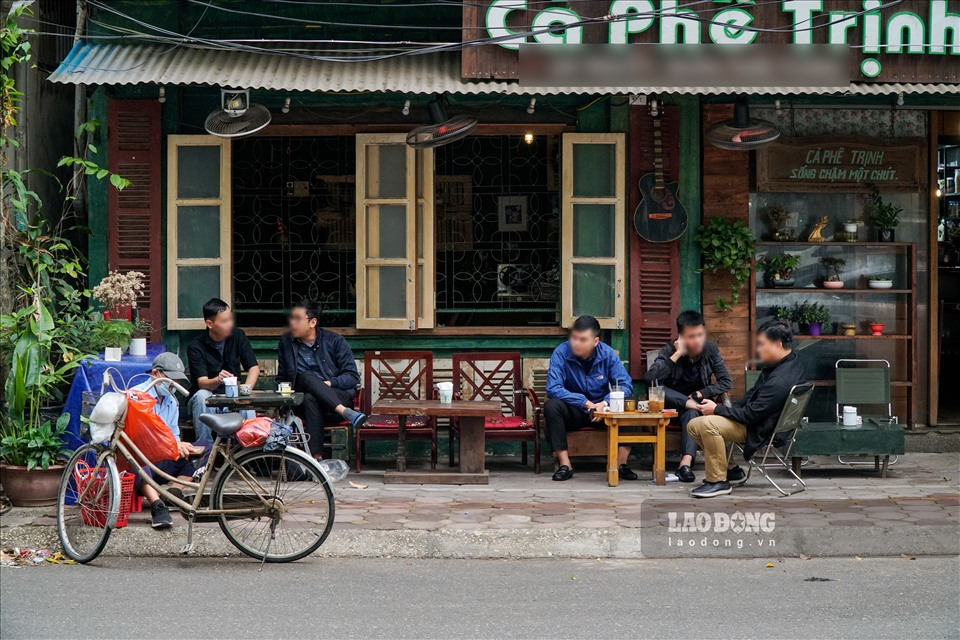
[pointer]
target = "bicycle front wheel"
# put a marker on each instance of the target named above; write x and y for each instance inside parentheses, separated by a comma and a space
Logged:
(88, 503)
(291, 498)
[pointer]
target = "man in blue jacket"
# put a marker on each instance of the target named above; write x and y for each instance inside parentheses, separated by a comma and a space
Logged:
(320, 364)
(582, 372)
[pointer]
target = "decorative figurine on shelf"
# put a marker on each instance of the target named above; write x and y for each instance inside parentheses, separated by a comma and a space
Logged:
(817, 234)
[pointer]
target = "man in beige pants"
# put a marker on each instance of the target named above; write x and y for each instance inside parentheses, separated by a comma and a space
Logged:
(751, 420)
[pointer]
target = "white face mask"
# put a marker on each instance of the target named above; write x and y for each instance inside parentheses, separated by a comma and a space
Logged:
(164, 390)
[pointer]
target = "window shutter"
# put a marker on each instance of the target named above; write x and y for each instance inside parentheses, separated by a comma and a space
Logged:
(133, 151)
(655, 267)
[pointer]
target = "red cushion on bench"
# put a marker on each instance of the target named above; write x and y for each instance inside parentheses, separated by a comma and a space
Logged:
(392, 422)
(505, 422)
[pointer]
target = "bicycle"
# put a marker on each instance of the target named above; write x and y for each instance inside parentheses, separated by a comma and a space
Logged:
(275, 506)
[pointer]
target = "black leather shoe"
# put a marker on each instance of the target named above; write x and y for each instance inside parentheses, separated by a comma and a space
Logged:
(685, 474)
(626, 473)
(711, 490)
(563, 473)
(736, 476)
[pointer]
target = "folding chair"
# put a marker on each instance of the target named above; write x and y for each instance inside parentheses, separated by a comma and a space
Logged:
(791, 420)
(864, 385)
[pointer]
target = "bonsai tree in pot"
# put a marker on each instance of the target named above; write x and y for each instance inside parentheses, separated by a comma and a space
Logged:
(779, 216)
(886, 215)
(811, 316)
(834, 267)
(778, 269)
(142, 329)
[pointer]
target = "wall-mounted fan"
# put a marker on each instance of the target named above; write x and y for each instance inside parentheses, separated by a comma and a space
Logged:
(443, 130)
(742, 133)
(236, 116)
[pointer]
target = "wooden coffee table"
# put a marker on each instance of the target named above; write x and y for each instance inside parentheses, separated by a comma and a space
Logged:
(654, 431)
(472, 414)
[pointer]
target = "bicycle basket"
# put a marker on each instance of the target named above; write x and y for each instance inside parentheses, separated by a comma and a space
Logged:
(96, 513)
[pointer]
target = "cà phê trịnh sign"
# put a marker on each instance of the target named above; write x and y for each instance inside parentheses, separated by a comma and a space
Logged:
(846, 165)
(889, 40)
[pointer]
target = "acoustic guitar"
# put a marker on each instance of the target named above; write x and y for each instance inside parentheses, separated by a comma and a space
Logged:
(660, 217)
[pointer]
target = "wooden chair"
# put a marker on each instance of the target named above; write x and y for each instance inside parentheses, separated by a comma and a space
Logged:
(397, 375)
(498, 376)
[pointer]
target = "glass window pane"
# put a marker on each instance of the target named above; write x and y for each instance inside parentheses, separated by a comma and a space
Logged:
(198, 232)
(387, 171)
(594, 290)
(196, 285)
(198, 172)
(387, 292)
(387, 231)
(594, 230)
(594, 170)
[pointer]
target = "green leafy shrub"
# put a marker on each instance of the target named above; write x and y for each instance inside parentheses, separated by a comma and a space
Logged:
(727, 247)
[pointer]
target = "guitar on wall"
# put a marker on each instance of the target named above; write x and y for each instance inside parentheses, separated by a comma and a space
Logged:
(660, 217)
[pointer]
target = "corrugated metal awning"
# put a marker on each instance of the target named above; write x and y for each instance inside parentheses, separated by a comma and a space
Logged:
(120, 64)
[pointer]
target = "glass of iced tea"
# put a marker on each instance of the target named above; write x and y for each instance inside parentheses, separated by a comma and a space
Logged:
(656, 399)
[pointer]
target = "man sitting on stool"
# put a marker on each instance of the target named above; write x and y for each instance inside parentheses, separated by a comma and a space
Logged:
(685, 368)
(753, 418)
(582, 372)
(320, 364)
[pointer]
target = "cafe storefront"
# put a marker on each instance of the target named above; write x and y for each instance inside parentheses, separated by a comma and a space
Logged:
(498, 240)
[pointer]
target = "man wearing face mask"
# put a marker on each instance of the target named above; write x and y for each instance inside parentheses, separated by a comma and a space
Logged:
(168, 365)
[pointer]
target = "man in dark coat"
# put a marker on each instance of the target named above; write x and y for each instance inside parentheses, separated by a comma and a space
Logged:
(753, 418)
(320, 364)
(691, 369)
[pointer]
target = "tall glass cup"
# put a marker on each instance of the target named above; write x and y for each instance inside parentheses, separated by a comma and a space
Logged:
(656, 399)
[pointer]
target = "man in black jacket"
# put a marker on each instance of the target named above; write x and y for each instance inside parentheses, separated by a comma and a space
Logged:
(753, 418)
(691, 369)
(320, 364)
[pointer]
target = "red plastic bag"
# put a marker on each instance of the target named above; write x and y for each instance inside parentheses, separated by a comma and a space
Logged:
(254, 431)
(145, 428)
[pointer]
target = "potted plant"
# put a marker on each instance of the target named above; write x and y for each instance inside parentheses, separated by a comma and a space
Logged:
(876, 328)
(778, 269)
(138, 340)
(118, 293)
(727, 248)
(779, 216)
(811, 316)
(834, 267)
(886, 215)
(32, 458)
(881, 282)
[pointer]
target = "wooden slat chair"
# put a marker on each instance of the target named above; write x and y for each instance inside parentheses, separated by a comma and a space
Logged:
(791, 420)
(397, 375)
(861, 385)
(498, 376)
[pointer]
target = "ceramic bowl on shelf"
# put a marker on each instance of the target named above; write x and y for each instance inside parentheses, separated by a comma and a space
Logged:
(876, 328)
(833, 284)
(881, 284)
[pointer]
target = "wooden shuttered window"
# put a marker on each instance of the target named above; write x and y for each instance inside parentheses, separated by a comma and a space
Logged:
(133, 151)
(655, 267)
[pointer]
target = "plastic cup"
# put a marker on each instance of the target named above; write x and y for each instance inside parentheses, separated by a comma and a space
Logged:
(445, 391)
(230, 387)
(616, 401)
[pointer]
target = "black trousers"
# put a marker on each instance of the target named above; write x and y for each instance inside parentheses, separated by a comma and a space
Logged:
(319, 402)
(560, 418)
(676, 400)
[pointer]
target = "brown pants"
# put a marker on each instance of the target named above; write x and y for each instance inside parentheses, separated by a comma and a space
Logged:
(713, 433)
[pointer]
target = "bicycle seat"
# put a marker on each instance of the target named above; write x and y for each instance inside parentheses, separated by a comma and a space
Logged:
(224, 424)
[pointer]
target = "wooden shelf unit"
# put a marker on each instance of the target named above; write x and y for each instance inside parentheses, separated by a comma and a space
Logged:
(902, 342)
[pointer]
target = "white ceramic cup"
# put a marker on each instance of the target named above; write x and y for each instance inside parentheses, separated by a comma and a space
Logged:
(445, 391)
(285, 388)
(849, 416)
(230, 387)
(616, 401)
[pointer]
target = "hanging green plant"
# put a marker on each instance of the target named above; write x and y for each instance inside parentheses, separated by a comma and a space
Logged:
(727, 247)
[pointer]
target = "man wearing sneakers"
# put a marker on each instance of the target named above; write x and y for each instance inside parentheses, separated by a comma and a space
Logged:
(582, 372)
(320, 364)
(754, 417)
(168, 365)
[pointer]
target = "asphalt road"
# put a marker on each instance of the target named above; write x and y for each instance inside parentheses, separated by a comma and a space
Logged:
(323, 598)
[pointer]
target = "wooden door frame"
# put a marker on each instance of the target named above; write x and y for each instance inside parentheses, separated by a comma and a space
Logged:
(933, 288)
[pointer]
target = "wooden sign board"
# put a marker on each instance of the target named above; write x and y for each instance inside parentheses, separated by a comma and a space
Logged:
(844, 165)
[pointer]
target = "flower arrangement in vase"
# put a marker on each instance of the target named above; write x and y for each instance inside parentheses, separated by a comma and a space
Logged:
(834, 267)
(118, 293)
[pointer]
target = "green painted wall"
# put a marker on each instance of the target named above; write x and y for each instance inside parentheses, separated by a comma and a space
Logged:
(691, 195)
